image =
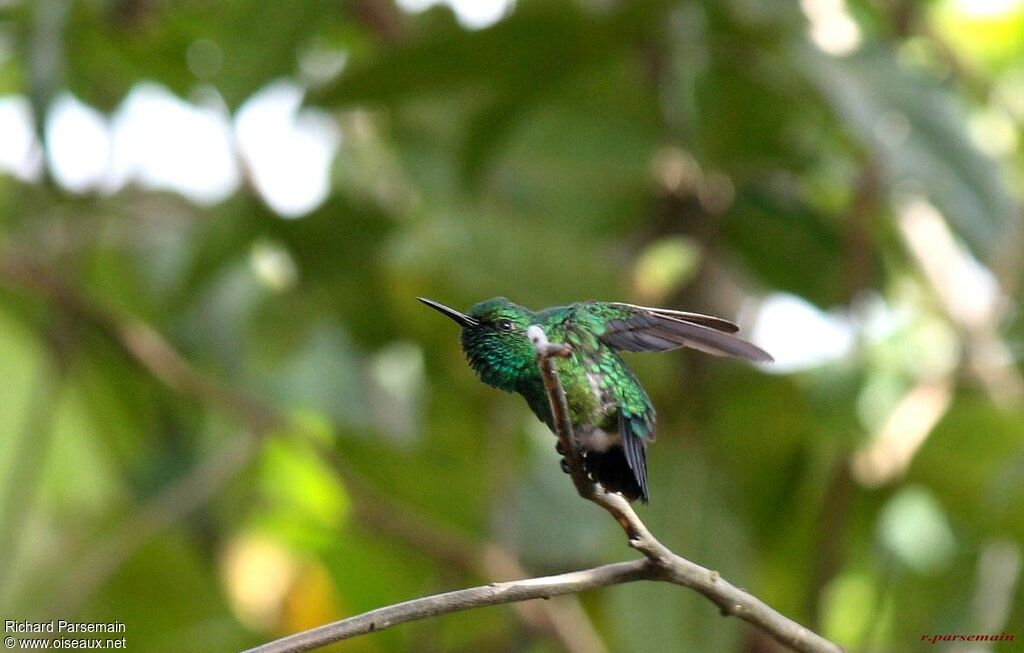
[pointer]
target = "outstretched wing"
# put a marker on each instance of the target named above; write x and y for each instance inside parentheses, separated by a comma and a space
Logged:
(628, 327)
(716, 323)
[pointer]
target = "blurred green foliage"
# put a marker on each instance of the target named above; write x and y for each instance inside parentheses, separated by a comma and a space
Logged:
(863, 157)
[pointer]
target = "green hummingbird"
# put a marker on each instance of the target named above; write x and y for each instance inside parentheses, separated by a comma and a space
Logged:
(611, 414)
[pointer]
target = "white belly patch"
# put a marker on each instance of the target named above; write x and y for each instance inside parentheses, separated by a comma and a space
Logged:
(595, 439)
(591, 437)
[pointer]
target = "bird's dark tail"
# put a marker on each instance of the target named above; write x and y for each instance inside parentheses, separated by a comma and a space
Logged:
(611, 469)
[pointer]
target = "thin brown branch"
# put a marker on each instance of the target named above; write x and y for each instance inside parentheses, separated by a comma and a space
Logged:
(157, 356)
(567, 445)
(660, 563)
(474, 597)
(730, 600)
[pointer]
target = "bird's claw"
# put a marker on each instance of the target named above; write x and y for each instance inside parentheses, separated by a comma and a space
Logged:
(559, 448)
(565, 465)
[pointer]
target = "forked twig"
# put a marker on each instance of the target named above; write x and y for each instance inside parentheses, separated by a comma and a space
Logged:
(730, 600)
(659, 563)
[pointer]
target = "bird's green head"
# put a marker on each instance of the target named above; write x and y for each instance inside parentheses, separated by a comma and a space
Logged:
(494, 340)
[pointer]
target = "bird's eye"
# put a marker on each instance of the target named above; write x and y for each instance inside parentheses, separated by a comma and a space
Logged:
(505, 325)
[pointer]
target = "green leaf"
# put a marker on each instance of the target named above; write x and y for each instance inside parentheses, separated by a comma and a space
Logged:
(781, 239)
(500, 73)
(916, 132)
(236, 46)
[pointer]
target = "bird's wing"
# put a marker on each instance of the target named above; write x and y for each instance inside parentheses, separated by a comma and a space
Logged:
(716, 323)
(635, 431)
(628, 327)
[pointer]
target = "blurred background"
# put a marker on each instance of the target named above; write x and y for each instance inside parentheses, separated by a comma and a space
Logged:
(224, 416)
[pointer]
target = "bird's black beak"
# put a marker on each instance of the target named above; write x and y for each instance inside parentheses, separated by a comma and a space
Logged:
(461, 318)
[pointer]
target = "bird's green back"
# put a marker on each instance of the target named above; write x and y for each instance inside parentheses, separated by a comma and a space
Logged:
(592, 362)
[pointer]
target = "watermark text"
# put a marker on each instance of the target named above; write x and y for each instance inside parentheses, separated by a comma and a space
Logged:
(60, 634)
(962, 637)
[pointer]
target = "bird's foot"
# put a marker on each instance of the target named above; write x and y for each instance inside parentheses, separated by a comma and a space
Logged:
(565, 465)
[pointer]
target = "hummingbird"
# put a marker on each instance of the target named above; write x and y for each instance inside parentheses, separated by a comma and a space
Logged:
(611, 414)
